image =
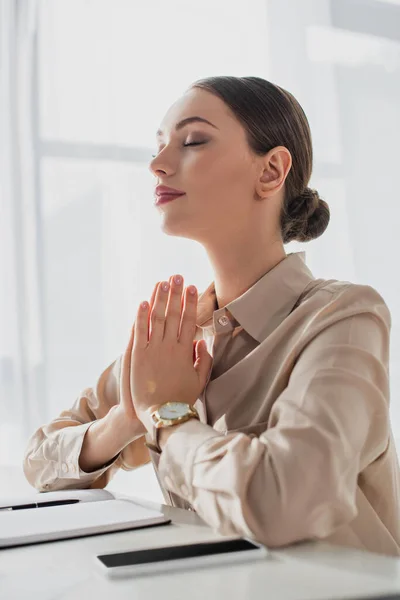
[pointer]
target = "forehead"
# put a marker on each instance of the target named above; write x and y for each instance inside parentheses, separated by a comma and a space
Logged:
(196, 102)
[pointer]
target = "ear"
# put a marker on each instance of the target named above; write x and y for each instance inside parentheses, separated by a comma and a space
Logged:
(275, 166)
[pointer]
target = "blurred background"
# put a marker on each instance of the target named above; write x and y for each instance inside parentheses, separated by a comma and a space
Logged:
(84, 85)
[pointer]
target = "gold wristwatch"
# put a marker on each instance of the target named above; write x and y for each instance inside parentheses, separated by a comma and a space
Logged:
(172, 413)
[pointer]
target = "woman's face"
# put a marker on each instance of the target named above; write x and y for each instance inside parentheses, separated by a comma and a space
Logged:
(218, 175)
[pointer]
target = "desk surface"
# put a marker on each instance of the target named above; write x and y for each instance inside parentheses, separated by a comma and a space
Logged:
(66, 570)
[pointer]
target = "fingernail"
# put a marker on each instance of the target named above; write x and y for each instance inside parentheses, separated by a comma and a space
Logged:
(165, 286)
(178, 279)
(192, 290)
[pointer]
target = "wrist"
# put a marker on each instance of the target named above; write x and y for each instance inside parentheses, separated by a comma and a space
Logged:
(124, 429)
(163, 419)
(105, 438)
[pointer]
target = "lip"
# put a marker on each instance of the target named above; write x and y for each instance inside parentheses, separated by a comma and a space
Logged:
(163, 198)
(164, 189)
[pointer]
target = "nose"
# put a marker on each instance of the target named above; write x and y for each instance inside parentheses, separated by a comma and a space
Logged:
(153, 166)
(160, 164)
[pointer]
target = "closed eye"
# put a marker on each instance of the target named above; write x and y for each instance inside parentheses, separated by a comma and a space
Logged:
(186, 145)
(194, 144)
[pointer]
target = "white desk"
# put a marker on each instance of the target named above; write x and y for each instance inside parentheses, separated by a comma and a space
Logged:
(66, 570)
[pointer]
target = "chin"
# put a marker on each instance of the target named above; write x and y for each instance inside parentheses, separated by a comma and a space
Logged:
(181, 224)
(176, 229)
(172, 227)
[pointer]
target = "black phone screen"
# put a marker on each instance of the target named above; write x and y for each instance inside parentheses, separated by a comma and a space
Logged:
(152, 555)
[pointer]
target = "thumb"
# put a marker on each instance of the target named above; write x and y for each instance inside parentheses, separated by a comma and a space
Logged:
(203, 362)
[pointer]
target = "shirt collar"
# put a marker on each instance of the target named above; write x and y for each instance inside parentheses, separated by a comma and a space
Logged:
(263, 306)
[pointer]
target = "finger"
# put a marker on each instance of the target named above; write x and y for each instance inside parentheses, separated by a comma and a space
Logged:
(189, 316)
(141, 335)
(153, 295)
(152, 300)
(174, 309)
(158, 313)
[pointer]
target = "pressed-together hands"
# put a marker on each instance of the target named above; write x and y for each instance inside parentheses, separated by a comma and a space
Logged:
(166, 365)
(162, 362)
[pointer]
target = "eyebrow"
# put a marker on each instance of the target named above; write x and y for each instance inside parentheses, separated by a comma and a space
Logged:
(186, 121)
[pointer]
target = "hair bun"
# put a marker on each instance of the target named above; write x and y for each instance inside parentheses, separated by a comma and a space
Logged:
(306, 217)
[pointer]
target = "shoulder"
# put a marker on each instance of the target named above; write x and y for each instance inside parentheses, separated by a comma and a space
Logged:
(339, 320)
(331, 300)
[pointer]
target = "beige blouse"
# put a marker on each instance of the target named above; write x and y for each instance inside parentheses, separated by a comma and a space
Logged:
(294, 441)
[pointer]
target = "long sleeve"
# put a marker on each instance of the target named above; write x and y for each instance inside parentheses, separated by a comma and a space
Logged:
(51, 460)
(298, 479)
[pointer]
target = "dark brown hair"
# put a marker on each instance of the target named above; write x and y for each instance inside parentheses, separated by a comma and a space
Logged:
(272, 117)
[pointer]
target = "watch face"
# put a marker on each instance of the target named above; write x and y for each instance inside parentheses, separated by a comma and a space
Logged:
(173, 410)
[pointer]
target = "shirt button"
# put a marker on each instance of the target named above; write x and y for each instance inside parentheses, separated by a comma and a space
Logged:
(64, 468)
(223, 321)
(72, 468)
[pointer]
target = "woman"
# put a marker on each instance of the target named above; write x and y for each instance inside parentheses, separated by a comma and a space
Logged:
(280, 429)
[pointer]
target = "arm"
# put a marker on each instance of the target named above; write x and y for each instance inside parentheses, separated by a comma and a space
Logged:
(298, 479)
(53, 457)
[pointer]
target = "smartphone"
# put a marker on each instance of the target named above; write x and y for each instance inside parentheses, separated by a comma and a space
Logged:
(169, 558)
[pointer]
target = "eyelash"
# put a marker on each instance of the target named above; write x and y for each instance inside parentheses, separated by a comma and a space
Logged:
(185, 146)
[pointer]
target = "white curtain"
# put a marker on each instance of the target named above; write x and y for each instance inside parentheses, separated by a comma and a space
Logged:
(84, 86)
(21, 349)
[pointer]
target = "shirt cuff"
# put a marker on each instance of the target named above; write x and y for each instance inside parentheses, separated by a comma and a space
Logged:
(177, 458)
(151, 445)
(69, 452)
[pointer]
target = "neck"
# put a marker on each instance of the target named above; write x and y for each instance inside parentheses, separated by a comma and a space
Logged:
(238, 264)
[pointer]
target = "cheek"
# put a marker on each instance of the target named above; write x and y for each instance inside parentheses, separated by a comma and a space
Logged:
(206, 174)
(228, 175)
(219, 180)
